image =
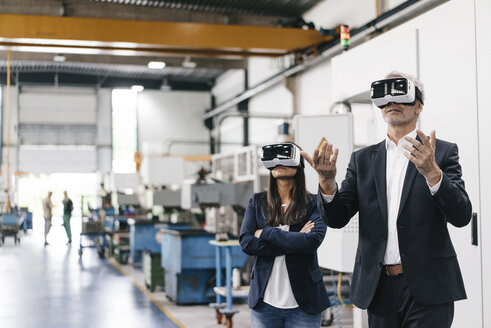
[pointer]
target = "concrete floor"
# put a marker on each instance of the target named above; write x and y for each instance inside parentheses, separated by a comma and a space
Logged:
(51, 287)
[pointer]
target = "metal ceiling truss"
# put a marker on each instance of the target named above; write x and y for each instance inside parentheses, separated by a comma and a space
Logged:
(107, 76)
(278, 8)
(131, 71)
(243, 12)
(174, 62)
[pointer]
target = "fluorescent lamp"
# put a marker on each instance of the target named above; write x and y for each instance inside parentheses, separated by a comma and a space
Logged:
(59, 58)
(137, 88)
(156, 65)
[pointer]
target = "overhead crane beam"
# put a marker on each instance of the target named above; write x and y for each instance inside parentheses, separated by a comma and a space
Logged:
(92, 35)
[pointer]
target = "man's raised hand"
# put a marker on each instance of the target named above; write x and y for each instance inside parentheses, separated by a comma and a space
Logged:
(323, 161)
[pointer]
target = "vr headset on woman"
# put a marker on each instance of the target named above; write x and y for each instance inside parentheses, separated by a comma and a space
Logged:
(284, 154)
(397, 90)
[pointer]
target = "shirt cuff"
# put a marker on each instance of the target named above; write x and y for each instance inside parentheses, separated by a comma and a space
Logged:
(435, 188)
(328, 198)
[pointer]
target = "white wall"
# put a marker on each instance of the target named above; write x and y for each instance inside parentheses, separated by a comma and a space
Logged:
(483, 55)
(228, 85)
(450, 33)
(277, 100)
(262, 68)
(330, 13)
(314, 90)
(163, 116)
(14, 90)
(104, 130)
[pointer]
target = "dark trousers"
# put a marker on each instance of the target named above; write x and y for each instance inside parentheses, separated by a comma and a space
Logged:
(393, 307)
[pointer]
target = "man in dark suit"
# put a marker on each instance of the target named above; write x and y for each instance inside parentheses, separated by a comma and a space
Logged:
(406, 189)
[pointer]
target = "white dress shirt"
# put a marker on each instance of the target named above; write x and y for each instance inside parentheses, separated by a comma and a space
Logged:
(279, 291)
(395, 174)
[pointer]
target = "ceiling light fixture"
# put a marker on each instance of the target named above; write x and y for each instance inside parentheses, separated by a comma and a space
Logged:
(59, 58)
(156, 65)
(165, 85)
(187, 63)
(137, 88)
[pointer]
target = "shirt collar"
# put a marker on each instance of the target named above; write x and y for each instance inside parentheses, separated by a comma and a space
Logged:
(390, 143)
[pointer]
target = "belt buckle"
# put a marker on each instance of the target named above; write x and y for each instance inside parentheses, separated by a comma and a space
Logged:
(387, 271)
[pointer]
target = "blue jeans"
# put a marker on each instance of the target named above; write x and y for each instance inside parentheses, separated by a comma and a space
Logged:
(267, 316)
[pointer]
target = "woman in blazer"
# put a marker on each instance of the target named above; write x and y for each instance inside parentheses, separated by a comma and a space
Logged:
(282, 229)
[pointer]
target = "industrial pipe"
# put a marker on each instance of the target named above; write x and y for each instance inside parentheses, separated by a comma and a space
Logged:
(245, 115)
(171, 142)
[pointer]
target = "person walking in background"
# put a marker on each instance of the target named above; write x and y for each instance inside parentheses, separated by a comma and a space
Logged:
(67, 214)
(282, 229)
(48, 214)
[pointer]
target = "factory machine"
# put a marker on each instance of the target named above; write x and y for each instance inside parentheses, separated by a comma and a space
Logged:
(165, 205)
(125, 196)
(223, 204)
(188, 258)
(223, 195)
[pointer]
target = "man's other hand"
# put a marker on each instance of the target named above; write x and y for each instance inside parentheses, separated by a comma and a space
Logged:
(422, 154)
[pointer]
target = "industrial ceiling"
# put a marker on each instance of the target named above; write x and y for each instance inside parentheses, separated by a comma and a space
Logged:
(109, 42)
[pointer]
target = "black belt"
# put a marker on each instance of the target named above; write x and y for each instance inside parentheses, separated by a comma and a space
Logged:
(392, 270)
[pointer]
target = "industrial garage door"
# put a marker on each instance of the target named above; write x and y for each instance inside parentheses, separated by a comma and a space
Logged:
(57, 130)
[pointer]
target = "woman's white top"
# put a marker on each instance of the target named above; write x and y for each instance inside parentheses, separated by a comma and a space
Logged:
(278, 291)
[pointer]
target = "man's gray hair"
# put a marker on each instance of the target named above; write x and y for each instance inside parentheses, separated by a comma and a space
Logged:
(411, 78)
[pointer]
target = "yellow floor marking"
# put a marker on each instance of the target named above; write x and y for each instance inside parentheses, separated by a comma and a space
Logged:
(147, 293)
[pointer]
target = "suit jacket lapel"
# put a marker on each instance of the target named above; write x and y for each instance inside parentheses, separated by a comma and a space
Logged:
(379, 163)
(408, 183)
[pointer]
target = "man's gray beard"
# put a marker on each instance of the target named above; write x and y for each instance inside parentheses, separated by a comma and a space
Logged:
(397, 122)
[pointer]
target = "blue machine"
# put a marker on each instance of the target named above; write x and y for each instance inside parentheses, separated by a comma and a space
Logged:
(189, 265)
(142, 237)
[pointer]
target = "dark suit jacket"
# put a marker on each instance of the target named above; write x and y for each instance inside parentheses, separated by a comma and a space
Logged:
(428, 257)
(300, 250)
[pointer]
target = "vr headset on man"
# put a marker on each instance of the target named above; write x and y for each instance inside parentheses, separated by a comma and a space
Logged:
(283, 154)
(397, 90)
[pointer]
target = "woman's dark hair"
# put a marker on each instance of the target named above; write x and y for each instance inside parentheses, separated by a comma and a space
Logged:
(296, 212)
